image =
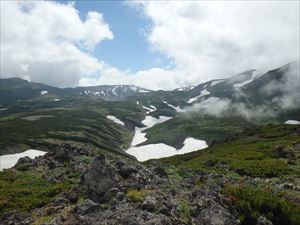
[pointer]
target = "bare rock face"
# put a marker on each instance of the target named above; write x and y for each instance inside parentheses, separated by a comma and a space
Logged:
(99, 177)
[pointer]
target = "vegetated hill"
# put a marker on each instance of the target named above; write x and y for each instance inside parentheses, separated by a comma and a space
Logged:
(248, 175)
(251, 179)
(17, 89)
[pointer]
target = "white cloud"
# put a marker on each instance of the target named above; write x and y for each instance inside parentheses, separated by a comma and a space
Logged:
(215, 39)
(48, 42)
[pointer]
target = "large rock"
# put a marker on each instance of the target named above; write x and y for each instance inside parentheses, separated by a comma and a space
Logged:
(99, 177)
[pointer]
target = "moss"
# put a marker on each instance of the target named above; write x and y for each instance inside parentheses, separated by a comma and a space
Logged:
(185, 212)
(251, 202)
(22, 191)
(137, 195)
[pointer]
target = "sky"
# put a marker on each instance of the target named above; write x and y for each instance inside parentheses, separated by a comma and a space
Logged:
(152, 44)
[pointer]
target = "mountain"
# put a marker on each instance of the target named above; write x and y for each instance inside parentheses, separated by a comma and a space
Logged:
(17, 89)
(247, 171)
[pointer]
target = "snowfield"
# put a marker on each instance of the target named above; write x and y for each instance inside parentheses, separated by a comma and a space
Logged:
(149, 110)
(115, 119)
(44, 92)
(177, 108)
(161, 150)
(8, 161)
(292, 122)
(203, 93)
(149, 121)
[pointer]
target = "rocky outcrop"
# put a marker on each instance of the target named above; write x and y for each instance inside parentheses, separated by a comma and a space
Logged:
(125, 192)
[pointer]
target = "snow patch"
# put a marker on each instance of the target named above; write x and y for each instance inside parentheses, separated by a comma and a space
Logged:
(115, 119)
(292, 122)
(214, 82)
(239, 85)
(44, 92)
(3, 109)
(177, 108)
(203, 93)
(56, 99)
(8, 161)
(156, 151)
(149, 121)
(149, 110)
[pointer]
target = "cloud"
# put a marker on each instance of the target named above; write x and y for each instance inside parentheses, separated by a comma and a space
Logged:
(277, 96)
(216, 39)
(47, 42)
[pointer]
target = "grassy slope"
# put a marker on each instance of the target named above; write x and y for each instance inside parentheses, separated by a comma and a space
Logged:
(254, 153)
(72, 120)
(174, 131)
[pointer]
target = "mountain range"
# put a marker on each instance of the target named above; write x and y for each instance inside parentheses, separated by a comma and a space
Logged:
(247, 171)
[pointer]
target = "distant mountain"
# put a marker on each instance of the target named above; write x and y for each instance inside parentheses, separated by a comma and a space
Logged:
(16, 89)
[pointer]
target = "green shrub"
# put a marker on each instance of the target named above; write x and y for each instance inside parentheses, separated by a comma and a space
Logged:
(22, 191)
(251, 202)
(137, 195)
(185, 212)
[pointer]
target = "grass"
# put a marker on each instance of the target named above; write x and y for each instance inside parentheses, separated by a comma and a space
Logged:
(174, 131)
(137, 195)
(23, 191)
(80, 122)
(185, 212)
(251, 201)
(251, 153)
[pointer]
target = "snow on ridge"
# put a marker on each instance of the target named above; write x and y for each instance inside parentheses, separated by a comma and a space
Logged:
(241, 84)
(44, 92)
(292, 122)
(203, 93)
(215, 82)
(115, 119)
(10, 160)
(149, 110)
(177, 108)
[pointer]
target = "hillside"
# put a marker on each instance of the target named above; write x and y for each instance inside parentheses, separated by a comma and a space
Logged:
(247, 171)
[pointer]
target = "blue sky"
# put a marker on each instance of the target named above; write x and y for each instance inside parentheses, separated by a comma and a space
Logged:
(129, 50)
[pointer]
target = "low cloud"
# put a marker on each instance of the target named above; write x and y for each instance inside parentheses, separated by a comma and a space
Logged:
(280, 96)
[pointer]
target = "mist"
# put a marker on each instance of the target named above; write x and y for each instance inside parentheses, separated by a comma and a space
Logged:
(276, 97)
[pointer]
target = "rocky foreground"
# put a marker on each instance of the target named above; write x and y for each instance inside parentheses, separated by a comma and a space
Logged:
(105, 190)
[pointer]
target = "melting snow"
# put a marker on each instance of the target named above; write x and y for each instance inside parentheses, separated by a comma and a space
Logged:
(149, 110)
(149, 121)
(115, 119)
(114, 90)
(239, 85)
(292, 122)
(203, 93)
(44, 92)
(177, 108)
(8, 161)
(214, 82)
(156, 151)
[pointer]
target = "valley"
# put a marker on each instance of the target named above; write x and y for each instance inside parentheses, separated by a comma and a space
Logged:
(222, 152)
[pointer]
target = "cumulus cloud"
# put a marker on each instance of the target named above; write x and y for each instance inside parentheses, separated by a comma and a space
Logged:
(47, 42)
(216, 39)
